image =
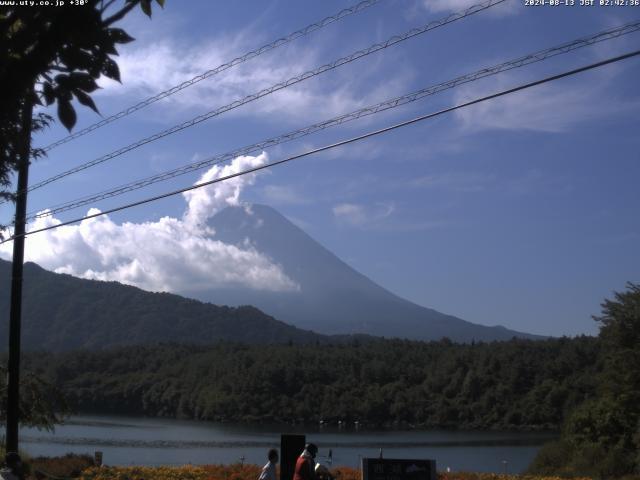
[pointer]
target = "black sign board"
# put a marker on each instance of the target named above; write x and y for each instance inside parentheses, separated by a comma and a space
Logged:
(291, 446)
(398, 469)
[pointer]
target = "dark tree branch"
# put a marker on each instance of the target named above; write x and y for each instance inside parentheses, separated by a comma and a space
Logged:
(105, 7)
(121, 14)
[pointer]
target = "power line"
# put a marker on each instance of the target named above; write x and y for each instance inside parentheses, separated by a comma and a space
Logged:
(220, 68)
(348, 117)
(337, 144)
(274, 88)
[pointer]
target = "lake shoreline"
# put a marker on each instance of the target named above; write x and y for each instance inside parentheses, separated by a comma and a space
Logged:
(347, 426)
(130, 440)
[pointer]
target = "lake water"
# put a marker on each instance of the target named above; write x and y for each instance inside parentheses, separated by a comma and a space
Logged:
(150, 441)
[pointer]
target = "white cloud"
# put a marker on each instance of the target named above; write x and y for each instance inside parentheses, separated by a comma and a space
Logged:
(553, 108)
(205, 202)
(362, 216)
(166, 255)
(147, 70)
(351, 213)
(155, 68)
(437, 6)
(382, 217)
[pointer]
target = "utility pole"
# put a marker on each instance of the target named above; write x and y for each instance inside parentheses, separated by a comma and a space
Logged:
(13, 370)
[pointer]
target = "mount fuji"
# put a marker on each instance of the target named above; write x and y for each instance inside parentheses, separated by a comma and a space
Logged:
(332, 297)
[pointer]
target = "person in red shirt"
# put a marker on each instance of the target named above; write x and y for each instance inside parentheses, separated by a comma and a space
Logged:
(305, 465)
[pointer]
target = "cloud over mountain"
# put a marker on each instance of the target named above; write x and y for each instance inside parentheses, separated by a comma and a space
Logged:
(164, 255)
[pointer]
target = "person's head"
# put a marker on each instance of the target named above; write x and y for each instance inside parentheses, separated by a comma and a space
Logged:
(312, 449)
(273, 455)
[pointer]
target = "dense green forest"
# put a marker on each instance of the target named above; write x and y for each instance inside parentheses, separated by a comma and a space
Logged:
(61, 312)
(520, 384)
(601, 438)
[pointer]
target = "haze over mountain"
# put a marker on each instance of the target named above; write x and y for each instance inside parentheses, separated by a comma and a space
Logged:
(332, 297)
(62, 312)
(324, 294)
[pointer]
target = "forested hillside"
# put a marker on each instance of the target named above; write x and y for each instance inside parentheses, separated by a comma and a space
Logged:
(517, 384)
(61, 312)
(601, 438)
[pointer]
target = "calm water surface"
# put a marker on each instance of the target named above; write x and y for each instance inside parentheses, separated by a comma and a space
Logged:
(150, 441)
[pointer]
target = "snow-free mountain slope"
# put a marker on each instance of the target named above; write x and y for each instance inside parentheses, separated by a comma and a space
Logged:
(333, 298)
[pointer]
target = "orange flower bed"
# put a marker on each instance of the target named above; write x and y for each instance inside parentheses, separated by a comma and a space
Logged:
(251, 472)
(186, 472)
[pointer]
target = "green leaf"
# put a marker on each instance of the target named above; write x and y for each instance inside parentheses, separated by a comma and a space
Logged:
(86, 100)
(118, 35)
(160, 2)
(62, 80)
(110, 69)
(66, 114)
(49, 94)
(146, 7)
(63, 94)
(96, 69)
(77, 59)
(108, 47)
(84, 81)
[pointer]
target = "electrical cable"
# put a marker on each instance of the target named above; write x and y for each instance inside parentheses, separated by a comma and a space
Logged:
(274, 88)
(348, 117)
(220, 68)
(337, 144)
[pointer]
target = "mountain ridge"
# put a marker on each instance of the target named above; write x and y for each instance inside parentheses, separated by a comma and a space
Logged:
(333, 298)
(334, 302)
(61, 312)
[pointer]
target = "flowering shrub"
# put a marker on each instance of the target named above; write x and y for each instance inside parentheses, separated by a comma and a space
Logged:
(251, 472)
(186, 472)
(69, 465)
(136, 473)
(346, 473)
(232, 472)
(495, 476)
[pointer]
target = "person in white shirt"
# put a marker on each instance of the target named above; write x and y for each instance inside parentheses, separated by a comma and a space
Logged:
(269, 470)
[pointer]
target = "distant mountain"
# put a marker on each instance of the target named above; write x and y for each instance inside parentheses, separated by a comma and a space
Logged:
(333, 297)
(61, 312)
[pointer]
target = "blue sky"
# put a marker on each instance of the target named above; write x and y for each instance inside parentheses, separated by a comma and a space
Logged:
(520, 212)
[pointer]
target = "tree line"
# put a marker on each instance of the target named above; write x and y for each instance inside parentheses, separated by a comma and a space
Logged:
(601, 437)
(520, 384)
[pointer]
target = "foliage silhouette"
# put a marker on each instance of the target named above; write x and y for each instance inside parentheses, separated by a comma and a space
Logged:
(601, 438)
(51, 55)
